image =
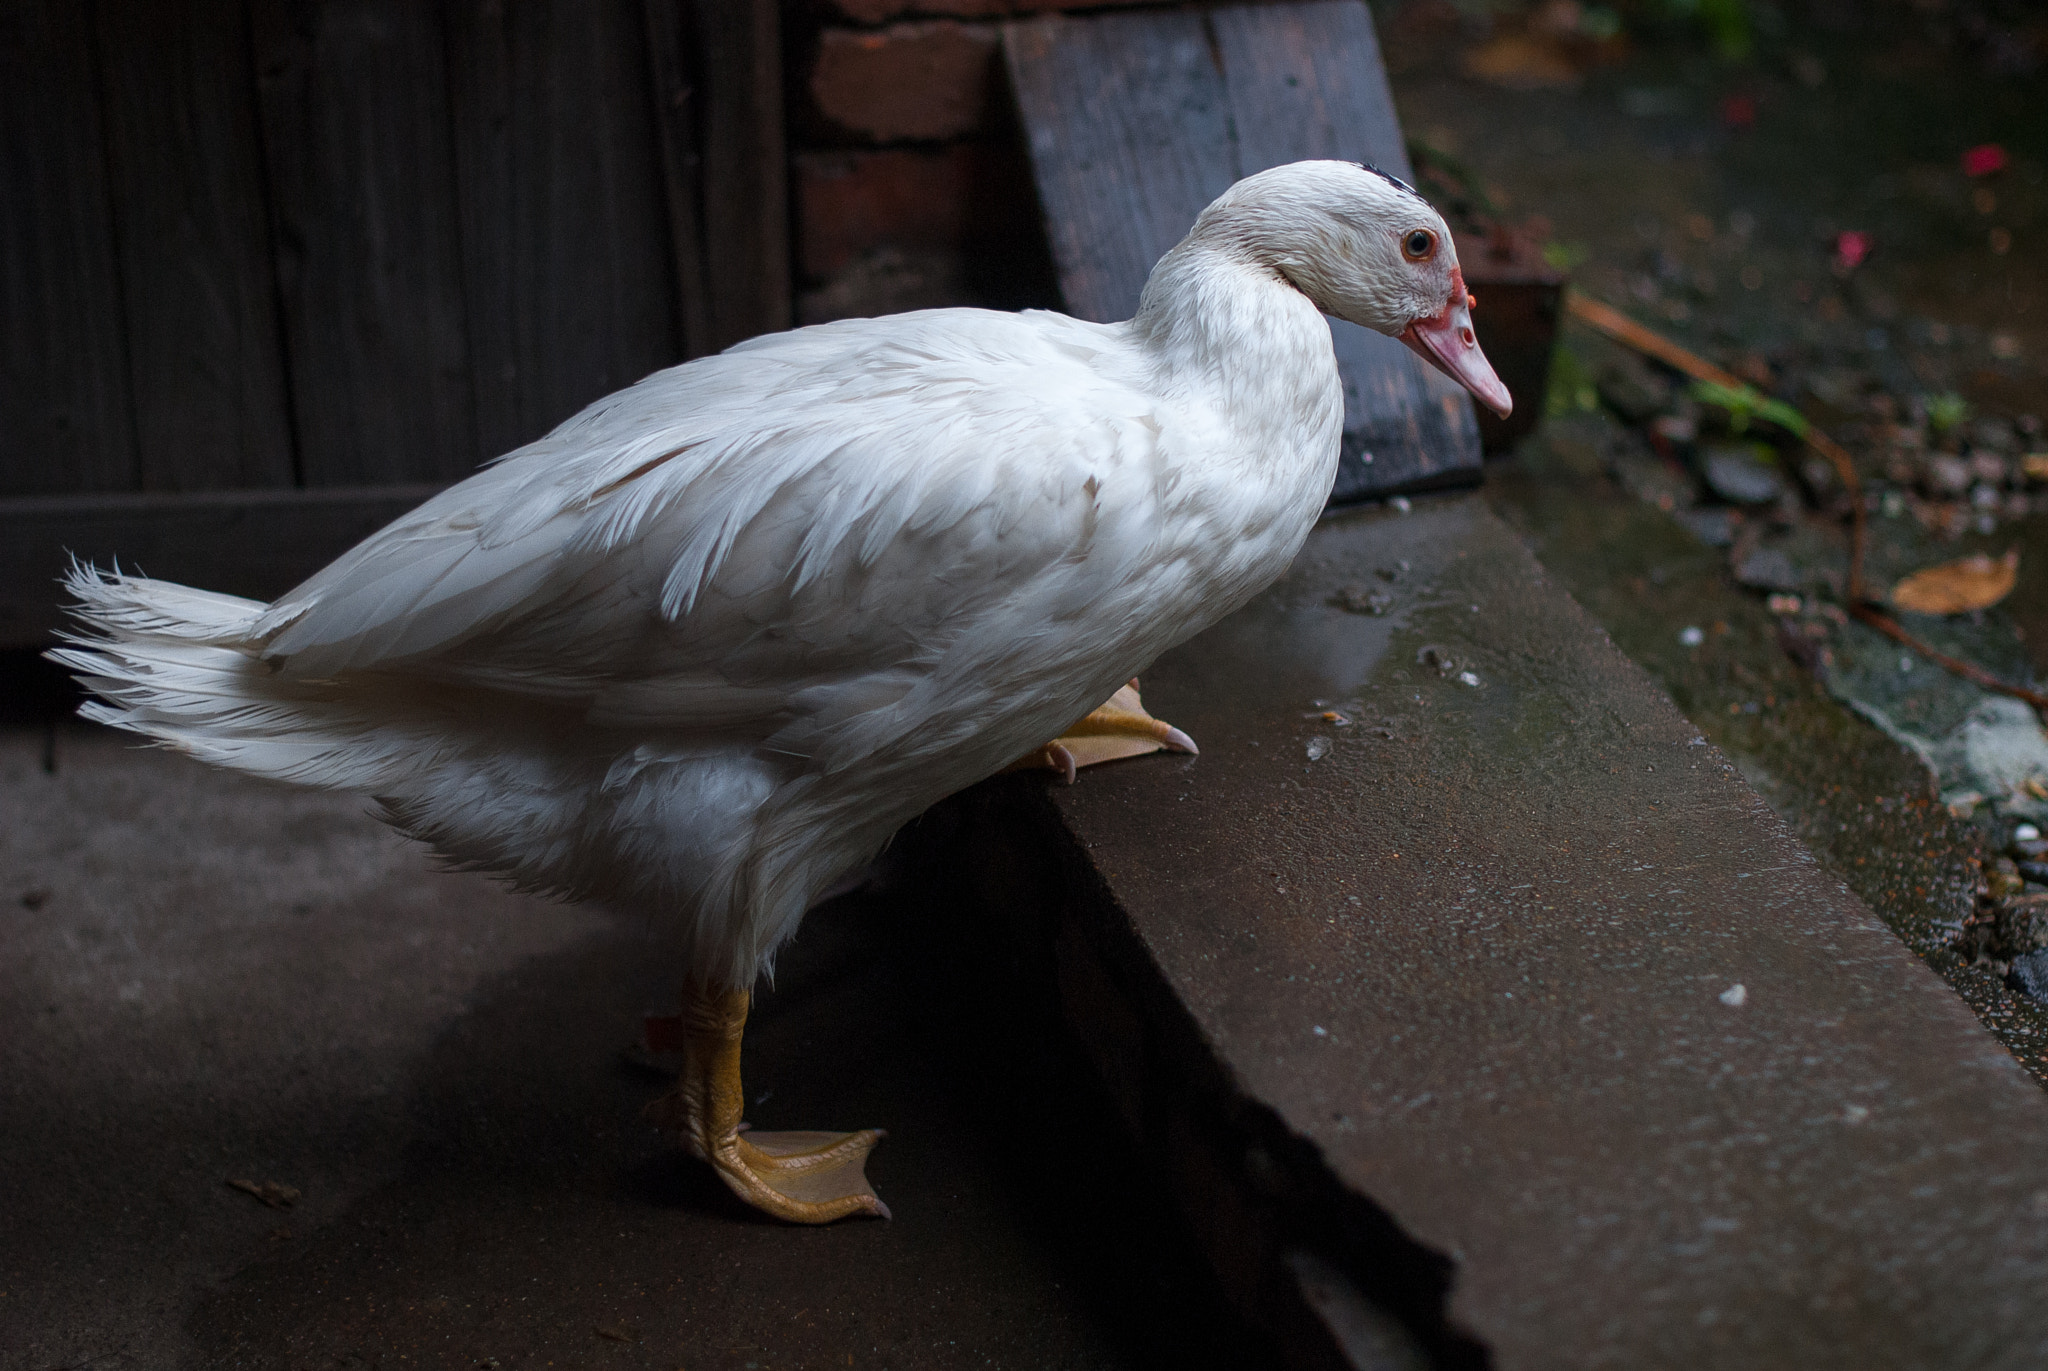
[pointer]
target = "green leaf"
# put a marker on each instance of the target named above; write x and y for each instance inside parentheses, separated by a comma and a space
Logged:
(1745, 403)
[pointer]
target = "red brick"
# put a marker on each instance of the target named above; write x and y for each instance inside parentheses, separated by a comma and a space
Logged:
(879, 11)
(849, 204)
(909, 81)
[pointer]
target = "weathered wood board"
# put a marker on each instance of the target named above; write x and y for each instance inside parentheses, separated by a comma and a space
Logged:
(567, 262)
(186, 167)
(258, 245)
(65, 417)
(354, 106)
(738, 50)
(1135, 121)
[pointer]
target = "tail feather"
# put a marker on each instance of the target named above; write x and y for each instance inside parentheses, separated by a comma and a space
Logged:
(111, 603)
(180, 666)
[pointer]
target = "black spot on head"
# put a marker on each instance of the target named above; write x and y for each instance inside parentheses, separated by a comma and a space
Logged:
(1391, 180)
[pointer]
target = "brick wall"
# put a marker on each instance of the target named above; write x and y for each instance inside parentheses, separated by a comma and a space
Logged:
(910, 186)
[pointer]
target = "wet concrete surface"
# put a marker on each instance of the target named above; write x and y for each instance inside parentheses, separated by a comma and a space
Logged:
(1704, 196)
(205, 978)
(1865, 805)
(1525, 963)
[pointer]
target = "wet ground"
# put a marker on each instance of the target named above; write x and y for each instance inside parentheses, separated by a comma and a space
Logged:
(1710, 198)
(206, 979)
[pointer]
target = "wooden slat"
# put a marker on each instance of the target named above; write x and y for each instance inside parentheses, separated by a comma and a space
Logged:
(565, 235)
(354, 109)
(185, 162)
(254, 543)
(1306, 81)
(745, 188)
(1129, 131)
(65, 416)
(675, 125)
(1136, 121)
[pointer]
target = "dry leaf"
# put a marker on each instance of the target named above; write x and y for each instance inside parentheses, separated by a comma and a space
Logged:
(1522, 62)
(272, 1193)
(1959, 587)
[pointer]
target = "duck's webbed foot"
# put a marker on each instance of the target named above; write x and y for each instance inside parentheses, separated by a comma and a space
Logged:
(801, 1177)
(1120, 728)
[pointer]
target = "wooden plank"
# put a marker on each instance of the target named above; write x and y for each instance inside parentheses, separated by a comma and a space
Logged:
(68, 423)
(745, 188)
(1129, 131)
(254, 543)
(1136, 121)
(205, 352)
(1306, 81)
(565, 233)
(352, 97)
(670, 86)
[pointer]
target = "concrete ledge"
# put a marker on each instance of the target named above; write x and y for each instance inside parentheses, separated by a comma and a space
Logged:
(1514, 1029)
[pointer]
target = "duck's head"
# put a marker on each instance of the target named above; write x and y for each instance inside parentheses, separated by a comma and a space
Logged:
(1364, 246)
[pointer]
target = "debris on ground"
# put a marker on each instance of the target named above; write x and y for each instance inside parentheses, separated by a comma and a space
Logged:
(272, 1193)
(1976, 582)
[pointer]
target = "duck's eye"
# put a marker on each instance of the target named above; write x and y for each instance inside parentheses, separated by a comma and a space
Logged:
(1419, 246)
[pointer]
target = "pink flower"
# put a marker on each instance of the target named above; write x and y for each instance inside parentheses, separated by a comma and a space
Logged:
(1984, 159)
(1851, 247)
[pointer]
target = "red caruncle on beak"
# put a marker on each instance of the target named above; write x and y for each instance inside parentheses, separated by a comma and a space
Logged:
(1446, 341)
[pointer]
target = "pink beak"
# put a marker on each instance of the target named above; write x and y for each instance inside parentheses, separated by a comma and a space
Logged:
(1447, 343)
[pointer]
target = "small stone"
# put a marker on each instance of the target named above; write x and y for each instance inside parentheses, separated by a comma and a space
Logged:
(1468, 678)
(2037, 872)
(1735, 996)
(2029, 975)
(1318, 748)
(2026, 833)
(1692, 635)
(1947, 476)
(1992, 434)
(1738, 474)
(1632, 390)
(1358, 599)
(1675, 428)
(1768, 568)
(1711, 524)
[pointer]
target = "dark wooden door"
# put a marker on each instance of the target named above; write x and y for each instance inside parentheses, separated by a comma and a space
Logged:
(271, 271)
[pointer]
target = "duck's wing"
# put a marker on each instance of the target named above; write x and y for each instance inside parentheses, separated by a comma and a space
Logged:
(828, 511)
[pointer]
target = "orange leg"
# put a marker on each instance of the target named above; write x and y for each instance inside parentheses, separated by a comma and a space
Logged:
(801, 1177)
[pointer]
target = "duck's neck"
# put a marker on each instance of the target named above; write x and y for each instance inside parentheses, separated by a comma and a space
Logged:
(1221, 325)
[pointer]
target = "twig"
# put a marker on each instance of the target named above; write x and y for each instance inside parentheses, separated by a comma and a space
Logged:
(1969, 671)
(1623, 329)
(1862, 604)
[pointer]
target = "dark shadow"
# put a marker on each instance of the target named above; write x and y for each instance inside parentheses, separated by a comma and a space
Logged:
(535, 1205)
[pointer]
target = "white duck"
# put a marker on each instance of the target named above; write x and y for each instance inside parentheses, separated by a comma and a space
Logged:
(706, 646)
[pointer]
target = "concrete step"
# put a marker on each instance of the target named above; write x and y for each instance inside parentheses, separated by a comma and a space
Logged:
(1479, 1013)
